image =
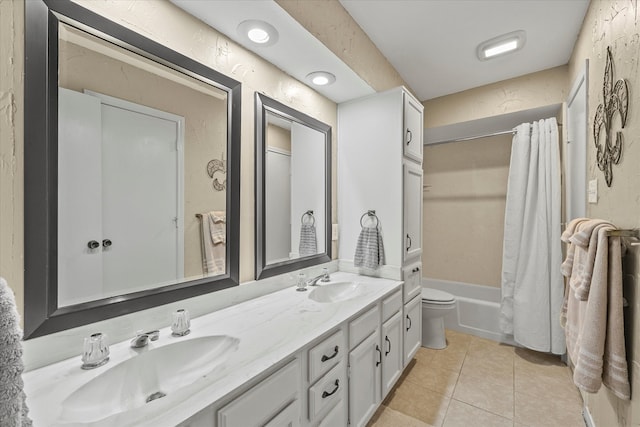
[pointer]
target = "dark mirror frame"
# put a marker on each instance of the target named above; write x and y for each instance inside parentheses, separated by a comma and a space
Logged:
(264, 104)
(42, 315)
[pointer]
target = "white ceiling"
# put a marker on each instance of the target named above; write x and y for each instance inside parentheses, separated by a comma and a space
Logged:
(432, 43)
(297, 52)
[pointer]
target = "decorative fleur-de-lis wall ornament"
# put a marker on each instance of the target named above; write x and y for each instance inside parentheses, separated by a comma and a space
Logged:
(217, 165)
(616, 101)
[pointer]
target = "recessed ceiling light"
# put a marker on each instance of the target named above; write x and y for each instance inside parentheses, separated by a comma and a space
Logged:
(321, 78)
(258, 32)
(501, 45)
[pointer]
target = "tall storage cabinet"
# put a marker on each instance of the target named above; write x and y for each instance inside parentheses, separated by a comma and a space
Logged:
(380, 168)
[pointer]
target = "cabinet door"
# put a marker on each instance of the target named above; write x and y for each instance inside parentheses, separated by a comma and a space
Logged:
(392, 360)
(413, 125)
(412, 328)
(263, 402)
(288, 417)
(364, 381)
(412, 211)
(336, 417)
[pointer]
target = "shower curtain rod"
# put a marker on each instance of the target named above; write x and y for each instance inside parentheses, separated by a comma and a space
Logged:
(470, 138)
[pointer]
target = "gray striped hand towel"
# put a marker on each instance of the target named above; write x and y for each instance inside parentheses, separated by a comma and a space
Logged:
(308, 244)
(369, 249)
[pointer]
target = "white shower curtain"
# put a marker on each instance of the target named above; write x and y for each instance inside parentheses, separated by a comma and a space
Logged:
(532, 285)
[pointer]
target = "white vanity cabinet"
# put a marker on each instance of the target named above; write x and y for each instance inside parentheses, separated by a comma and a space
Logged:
(380, 168)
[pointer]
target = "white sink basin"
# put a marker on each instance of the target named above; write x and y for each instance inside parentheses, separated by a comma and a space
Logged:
(337, 292)
(147, 377)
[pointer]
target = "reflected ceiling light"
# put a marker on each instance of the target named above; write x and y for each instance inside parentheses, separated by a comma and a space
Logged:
(501, 45)
(321, 78)
(258, 32)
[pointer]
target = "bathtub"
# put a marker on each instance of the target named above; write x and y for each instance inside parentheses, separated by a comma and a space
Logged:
(477, 311)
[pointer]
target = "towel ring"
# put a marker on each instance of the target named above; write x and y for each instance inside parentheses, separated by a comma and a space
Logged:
(370, 213)
(310, 214)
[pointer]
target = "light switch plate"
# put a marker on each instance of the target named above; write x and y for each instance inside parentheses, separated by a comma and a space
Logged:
(593, 191)
(334, 232)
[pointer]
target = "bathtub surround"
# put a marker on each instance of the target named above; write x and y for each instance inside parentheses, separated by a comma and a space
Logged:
(532, 285)
(13, 408)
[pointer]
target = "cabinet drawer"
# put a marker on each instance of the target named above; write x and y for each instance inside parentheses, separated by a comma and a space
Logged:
(263, 402)
(326, 355)
(363, 326)
(327, 391)
(391, 305)
(336, 417)
(412, 275)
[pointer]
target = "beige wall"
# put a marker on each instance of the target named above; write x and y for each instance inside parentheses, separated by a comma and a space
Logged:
(615, 24)
(464, 210)
(463, 222)
(278, 137)
(330, 23)
(11, 145)
(534, 90)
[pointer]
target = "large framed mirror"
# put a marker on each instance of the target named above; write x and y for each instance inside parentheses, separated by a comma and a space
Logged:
(132, 158)
(293, 189)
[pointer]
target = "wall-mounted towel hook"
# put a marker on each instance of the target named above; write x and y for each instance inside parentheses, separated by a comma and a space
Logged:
(370, 213)
(308, 213)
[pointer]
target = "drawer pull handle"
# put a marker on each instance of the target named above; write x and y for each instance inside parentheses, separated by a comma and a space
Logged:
(326, 394)
(93, 244)
(379, 354)
(386, 338)
(409, 136)
(325, 357)
(409, 319)
(409, 241)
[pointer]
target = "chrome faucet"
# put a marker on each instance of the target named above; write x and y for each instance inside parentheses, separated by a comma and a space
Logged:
(142, 338)
(324, 277)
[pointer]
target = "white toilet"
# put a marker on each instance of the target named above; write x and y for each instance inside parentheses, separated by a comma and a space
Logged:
(435, 305)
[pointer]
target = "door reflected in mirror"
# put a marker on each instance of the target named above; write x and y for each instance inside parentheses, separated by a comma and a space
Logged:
(294, 190)
(141, 172)
(293, 208)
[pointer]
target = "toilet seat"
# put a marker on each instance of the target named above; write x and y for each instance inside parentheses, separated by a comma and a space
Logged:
(437, 297)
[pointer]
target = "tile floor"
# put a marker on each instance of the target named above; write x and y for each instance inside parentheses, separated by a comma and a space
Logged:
(481, 383)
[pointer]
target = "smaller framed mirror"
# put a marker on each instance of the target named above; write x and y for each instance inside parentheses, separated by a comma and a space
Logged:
(293, 189)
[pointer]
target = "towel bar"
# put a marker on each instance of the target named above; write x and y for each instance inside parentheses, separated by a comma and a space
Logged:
(310, 214)
(370, 213)
(635, 233)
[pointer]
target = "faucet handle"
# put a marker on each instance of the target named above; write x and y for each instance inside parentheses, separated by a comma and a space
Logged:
(325, 273)
(95, 351)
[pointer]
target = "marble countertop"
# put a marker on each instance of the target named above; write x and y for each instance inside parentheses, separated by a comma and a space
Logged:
(270, 329)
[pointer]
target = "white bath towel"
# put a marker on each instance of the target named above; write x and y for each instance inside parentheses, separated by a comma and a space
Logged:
(214, 238)
(594, 328)
(585, 242)
(308, 243)
(369, 249)
(13, 408)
